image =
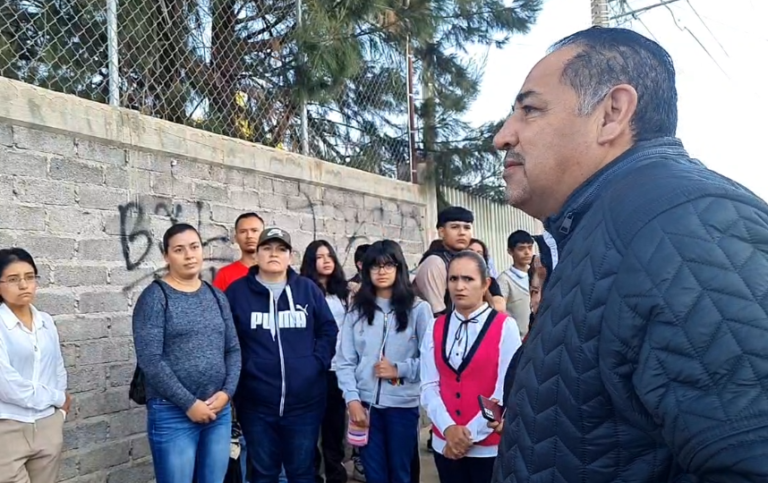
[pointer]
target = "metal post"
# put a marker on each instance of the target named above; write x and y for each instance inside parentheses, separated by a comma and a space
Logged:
(114, 73)
(411, 112)
(304, 125)
(600, 13)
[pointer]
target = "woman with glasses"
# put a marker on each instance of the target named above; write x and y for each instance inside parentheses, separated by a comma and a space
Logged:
(378, 363)
(33, 381)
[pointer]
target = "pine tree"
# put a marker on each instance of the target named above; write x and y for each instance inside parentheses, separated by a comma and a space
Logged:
(243, 67)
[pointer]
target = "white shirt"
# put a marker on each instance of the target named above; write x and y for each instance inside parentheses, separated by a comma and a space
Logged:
(33, 380)
(339, 311)
(430, 378)
(519, 278)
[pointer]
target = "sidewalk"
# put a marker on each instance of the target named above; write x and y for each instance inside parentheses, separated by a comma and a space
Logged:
(428, 470)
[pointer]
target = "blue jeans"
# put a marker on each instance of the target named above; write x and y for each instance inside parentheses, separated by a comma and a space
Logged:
(392, 441)
(281, 443)
(183, 450)
(244, 466)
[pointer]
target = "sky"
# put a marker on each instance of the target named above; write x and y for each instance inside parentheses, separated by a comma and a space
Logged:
(722, 106)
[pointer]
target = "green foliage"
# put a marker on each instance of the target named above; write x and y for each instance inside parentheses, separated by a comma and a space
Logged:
(243, 67)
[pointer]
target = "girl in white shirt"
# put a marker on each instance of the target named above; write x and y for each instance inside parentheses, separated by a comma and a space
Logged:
(321, 264)
(33, 381)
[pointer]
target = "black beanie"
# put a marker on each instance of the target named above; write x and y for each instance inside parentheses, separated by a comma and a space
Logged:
(454, 213)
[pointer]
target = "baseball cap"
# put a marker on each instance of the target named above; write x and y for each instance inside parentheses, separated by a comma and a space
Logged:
(274, 233)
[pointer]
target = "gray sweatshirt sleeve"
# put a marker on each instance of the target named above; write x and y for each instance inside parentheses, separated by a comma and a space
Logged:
(148, 338)
(233, 358)
(347, 360)
(422, 317)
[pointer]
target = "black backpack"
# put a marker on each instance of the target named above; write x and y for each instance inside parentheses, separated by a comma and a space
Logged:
(446, 257)
(138, 391)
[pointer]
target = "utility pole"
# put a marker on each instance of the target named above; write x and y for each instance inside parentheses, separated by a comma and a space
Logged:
(600, 13)
(303, 106)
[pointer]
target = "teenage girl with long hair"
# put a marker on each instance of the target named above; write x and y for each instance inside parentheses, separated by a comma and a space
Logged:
(378, 363)
(321, 265)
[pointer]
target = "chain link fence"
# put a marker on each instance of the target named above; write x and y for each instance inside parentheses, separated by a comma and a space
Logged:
(313, 78)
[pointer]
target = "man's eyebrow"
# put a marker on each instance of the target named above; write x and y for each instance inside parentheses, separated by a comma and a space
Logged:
(525, 95)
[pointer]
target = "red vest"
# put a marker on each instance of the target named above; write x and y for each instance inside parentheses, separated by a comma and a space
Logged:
(459, 388)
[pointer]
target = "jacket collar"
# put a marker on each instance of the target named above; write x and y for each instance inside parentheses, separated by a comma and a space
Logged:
(561, 225)
(256, 286)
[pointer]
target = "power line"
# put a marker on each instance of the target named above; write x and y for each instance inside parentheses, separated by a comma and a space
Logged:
(706, 27)
(637, 11)
(683, 28)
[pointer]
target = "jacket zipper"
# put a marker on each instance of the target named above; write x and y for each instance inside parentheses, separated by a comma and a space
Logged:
(282, 360)
(565, 226)
(383, 353)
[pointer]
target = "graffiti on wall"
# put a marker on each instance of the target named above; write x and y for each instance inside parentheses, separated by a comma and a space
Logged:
(138, 240)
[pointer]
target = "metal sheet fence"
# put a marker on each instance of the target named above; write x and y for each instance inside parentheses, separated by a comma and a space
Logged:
(494, 222)
(310, 78)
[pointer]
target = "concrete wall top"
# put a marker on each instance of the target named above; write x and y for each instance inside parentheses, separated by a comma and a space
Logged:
(34, 107)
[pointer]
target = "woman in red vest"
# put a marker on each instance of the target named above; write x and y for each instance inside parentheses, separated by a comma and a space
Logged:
(463, 356)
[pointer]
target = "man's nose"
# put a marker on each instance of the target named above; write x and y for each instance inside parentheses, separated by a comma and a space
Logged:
(506, 138)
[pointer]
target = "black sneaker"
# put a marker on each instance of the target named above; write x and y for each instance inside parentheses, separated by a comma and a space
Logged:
(358, 472)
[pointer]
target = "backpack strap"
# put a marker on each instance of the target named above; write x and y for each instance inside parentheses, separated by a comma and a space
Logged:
(162, 289)
(216, 297)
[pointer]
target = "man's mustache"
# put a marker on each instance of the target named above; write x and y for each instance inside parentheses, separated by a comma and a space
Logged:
(513, 158)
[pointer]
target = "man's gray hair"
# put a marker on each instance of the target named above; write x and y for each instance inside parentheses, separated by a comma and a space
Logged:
(607, 57)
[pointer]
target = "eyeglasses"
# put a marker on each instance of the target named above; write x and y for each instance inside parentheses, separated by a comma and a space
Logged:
(28, 279)
(385, 268)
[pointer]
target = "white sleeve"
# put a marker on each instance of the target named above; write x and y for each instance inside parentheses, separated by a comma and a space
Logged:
(430, 384)
(14, 389)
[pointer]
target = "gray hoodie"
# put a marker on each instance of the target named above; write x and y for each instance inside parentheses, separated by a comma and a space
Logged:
(362, 346)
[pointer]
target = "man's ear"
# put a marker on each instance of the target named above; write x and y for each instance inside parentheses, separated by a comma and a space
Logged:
(618, 108)
(441, 232)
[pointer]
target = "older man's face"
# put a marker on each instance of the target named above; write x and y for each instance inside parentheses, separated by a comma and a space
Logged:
(545, 139)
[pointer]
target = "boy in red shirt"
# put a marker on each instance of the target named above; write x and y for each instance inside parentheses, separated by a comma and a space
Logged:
(248, 228)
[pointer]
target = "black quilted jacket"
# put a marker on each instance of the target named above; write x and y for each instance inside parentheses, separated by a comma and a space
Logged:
(648, 361)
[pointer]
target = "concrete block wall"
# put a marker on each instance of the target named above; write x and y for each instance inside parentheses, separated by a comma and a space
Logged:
(89, 191)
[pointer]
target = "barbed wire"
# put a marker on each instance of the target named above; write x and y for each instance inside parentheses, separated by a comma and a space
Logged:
(318, 82)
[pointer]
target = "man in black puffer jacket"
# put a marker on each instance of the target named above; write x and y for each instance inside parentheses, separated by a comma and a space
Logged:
(648, 361)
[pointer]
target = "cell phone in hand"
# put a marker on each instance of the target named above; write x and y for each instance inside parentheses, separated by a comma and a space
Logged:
(491, 410)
